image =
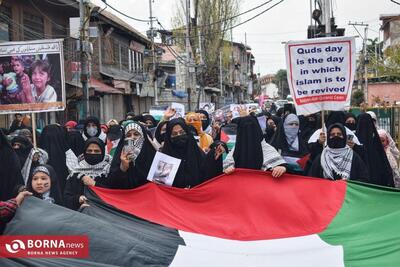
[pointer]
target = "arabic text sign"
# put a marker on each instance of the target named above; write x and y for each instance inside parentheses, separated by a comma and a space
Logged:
(321, 73)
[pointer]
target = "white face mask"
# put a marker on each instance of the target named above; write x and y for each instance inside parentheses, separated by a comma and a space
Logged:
(91, 131)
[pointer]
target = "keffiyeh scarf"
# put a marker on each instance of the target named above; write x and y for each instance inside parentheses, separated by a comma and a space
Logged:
(336, 162)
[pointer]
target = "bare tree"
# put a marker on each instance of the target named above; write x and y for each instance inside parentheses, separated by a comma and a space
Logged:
(209, 27)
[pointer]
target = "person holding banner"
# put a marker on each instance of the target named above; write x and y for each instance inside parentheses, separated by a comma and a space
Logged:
(251, 151)
(132, 159)
(93, 164)
(289, 142)
(337, 160)
(194, 168)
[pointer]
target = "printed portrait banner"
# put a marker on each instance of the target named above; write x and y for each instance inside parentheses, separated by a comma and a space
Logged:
(32, 76)
(163, 169)
(321, 73)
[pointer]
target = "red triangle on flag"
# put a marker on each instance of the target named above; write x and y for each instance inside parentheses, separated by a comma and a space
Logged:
(224, 137)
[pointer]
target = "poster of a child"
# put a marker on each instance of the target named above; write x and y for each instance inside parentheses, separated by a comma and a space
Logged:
(31, 82)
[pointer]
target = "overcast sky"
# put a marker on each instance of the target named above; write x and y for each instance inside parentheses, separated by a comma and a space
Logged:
(265, 34)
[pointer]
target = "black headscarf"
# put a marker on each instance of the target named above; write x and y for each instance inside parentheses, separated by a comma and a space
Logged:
(24, 150)
(279, 142)
(375, 157)
(248, 151)
(309, 126)
(137, 173)
(92, 120)
(350, 115)
(55, 191)
(148, 117)
(75, 142)
(53, 139)
(10, 170)
(191, 170)
(97, 141)
(207, 122)
(335, 117)
(114, 132)
(159, 137)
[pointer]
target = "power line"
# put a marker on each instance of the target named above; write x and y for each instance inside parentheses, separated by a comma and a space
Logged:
(125, 15)
(234, 26)
(235, 16)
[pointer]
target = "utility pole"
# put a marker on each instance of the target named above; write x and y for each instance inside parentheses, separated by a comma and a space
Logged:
(220, 76)
(200, 70)
(153, 54)
(365, 67)
(326, 13)
(85, 57)
(188, 56)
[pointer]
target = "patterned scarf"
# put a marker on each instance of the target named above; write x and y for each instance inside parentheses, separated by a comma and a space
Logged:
(100, 169)
(336, 162)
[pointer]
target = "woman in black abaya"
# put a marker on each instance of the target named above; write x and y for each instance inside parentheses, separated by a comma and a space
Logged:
(375, 158)
(180, 143)
(289, 142)
(10, 171)
(251, 151)
(129, 170)
(54, 141)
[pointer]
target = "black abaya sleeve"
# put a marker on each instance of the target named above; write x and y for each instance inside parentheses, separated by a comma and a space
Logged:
(315, 149)
(118, 179)
(316, 169)
(211, 166)
(359, 171)
(73, 190)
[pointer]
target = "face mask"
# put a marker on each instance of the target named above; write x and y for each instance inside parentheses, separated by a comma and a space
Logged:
(336, 142)
(93, 159)
(351, 126)
(162, 137)
(204, 124)
(197, 125)
(91, 131)
(179, 141)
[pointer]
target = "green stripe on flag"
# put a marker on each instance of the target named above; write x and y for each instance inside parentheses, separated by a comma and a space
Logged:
(367, 226)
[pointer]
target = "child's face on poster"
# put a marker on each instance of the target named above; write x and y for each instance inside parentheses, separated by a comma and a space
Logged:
(40, 78)
(18, 67)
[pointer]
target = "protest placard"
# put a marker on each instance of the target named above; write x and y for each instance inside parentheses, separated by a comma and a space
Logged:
(163, 169)
(32, 76)
(321, 73)
(207, 106)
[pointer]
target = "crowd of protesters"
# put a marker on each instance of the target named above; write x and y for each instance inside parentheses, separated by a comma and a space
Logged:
(119, 154)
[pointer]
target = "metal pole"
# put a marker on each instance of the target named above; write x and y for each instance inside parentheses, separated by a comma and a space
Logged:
(220, 73)
(327, 16)
(153, 54)
(85, 75)
(365, 65)
(188, 57)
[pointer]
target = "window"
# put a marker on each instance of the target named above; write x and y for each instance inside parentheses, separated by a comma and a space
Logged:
(33, 27)
(6, 23)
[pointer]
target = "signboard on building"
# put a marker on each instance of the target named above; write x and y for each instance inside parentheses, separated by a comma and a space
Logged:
(321, 73)
(32, 76)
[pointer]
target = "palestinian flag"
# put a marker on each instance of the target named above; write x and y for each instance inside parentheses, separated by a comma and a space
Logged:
(243, 219)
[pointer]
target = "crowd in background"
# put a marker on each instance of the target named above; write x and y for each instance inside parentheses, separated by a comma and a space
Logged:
(119, 154)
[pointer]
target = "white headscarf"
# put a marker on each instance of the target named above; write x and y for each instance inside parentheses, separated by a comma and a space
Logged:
(292, 132)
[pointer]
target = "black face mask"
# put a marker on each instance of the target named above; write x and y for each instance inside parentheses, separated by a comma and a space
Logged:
(180, 140)
(162, 138)
(351, 126)
(204, 124)
(93, 159)
(336, 142)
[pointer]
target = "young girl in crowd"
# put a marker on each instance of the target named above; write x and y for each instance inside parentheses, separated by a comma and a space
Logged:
(44, 185)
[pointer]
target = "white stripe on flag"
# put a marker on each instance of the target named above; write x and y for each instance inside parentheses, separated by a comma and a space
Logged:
(307, 251)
